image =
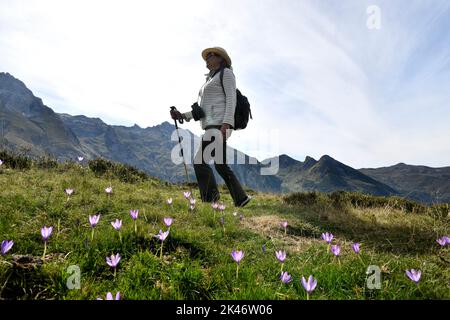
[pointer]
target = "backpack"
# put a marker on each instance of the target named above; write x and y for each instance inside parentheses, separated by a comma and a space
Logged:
(242, 111)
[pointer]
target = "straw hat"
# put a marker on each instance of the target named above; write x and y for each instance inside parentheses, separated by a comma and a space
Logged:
(219, 51)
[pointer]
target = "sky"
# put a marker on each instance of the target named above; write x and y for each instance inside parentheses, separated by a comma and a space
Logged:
(365, 82)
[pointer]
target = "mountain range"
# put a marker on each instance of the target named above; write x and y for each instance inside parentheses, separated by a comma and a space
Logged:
(26, 124)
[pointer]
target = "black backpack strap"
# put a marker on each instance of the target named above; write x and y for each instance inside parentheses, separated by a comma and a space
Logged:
(221, 81)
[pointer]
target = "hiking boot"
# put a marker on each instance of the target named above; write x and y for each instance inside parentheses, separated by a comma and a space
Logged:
(243, 203)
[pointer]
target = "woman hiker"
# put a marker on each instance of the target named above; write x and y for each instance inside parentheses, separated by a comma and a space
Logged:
(216, 112)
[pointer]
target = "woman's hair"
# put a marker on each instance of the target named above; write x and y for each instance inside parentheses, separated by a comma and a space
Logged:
(224, 64)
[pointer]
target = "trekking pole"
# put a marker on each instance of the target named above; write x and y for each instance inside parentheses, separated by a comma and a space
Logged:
(181, 147)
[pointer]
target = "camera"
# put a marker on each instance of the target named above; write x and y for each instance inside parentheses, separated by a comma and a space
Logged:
(197, 112)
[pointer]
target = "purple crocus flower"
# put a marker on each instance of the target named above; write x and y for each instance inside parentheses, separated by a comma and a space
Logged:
(109, 190)
(442, 241)
(215, 206)
(327, 237)
(192, 201)
(134, 214)
(355, 247)
(414, 275)
(241, 217)
(162, 235)
(192, 207)
(285, 277)
(80, 159)
(168, 221)
(221, 207)
(69, 192)
(263, 248)
(93, 220)
(1, 162)
(336, 250)
(284, 224)
(237, 256)
(169, 201)
(113, 261)
(309, 285)
(187, 194)
(6, 246)
(281, 255)
(46, 232)
(109, 296)
(117, 224)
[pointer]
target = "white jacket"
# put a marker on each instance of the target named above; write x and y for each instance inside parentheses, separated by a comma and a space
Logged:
(217, 108)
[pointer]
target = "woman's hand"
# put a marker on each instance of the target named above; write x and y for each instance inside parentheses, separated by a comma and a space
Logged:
(176, 115)
(225, 133)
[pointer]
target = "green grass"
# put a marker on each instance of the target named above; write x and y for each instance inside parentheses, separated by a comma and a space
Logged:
(197, 261)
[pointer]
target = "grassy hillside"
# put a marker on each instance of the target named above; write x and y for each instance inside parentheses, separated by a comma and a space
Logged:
(196, 260)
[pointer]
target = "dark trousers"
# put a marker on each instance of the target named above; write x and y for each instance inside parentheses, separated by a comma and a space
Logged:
(205, 177)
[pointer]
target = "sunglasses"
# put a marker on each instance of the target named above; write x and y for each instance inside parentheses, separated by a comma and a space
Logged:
(209, 55)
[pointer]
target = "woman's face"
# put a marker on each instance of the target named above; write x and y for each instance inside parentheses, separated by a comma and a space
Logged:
(213, 61)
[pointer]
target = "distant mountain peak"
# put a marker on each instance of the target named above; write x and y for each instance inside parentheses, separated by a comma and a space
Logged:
(7, 75)
(309, 162)
(285, 161)
(286, 157)
(326, 160)
(32, 123)
(13, 85)
(165, 124)
(326, 157)
(401, 164)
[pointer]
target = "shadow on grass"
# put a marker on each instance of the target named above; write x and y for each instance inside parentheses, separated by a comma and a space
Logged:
(404, 239)
(193, 250)
(34, 282)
